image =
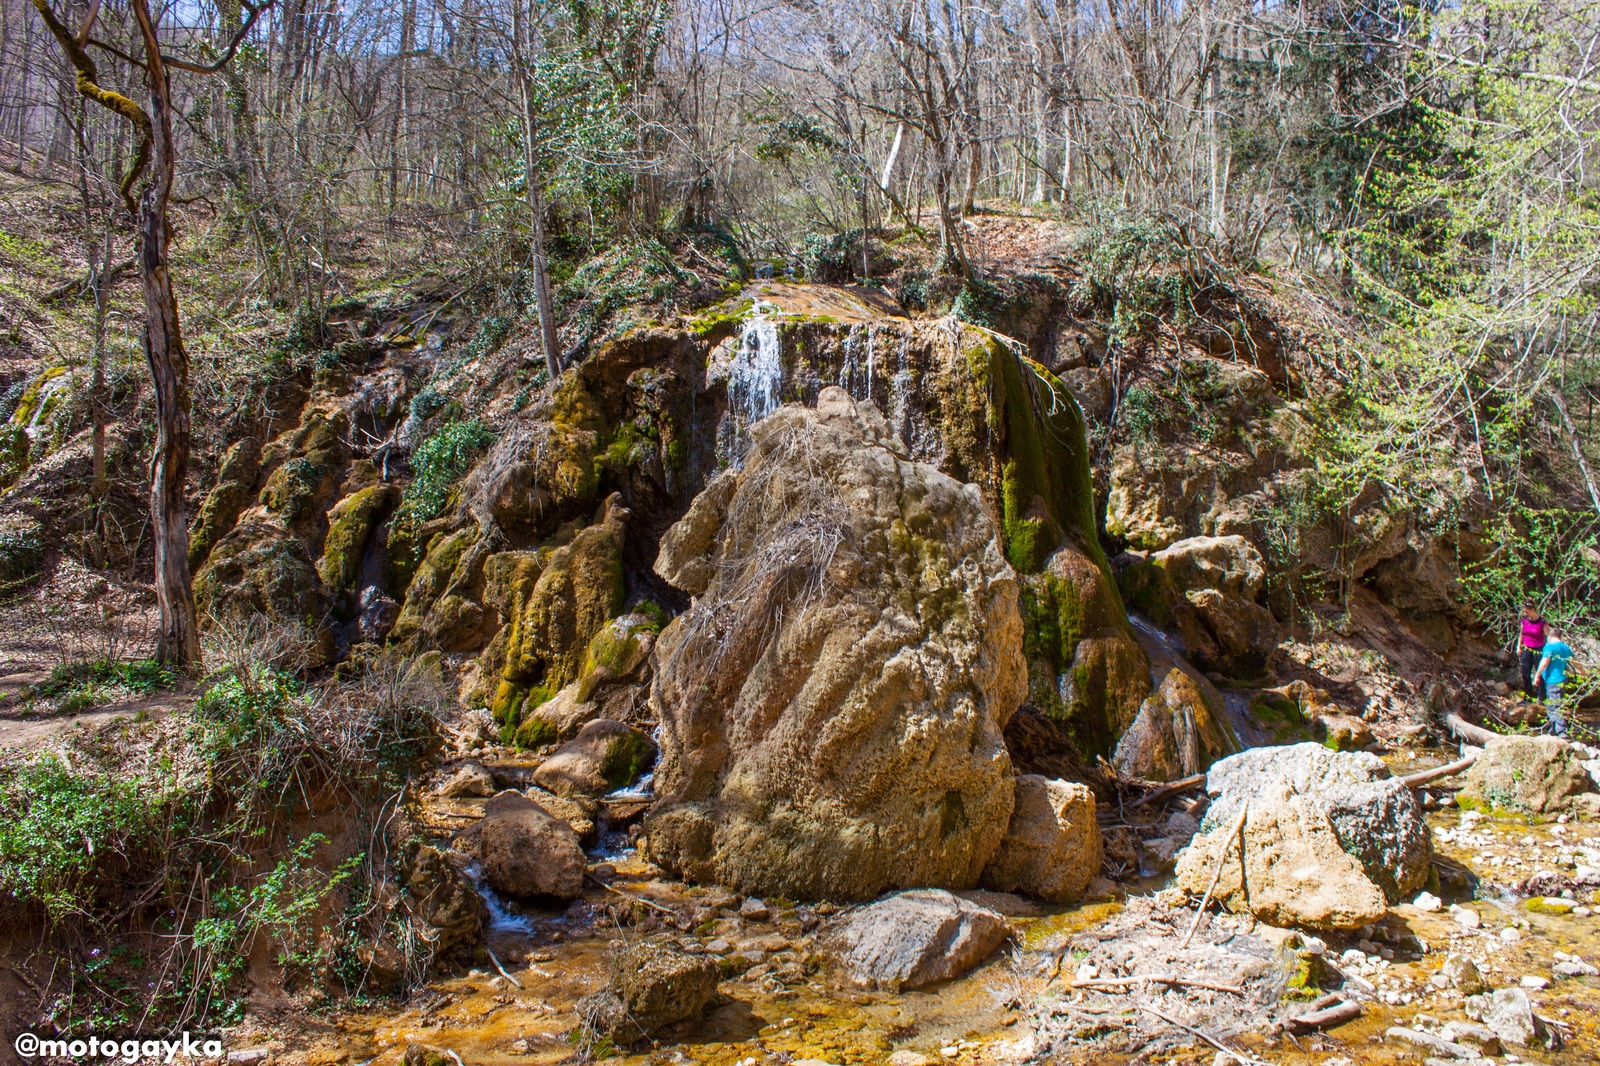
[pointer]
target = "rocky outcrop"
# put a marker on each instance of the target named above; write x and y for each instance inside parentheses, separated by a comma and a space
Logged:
(1052, 847)
(232, 493)
(350, 526)
(440, 896)
(603, 757)
(1181, 729)
(434, 610)
(653, 984)
(555, 611)
(1206, 589)
(1329, 839)
(915, 939)
(1525, 775)
(612, 684)
(831, 706)
(528, 853)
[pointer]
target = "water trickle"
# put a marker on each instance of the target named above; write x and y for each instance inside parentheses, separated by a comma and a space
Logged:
(502, 918)
(755, 381)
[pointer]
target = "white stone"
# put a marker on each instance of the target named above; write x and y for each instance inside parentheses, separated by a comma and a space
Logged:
(1511, 934)
(1466, 917)
(1427, 901)
(1534, 982)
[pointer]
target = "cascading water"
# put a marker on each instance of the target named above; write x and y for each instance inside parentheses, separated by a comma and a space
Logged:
(757, 377)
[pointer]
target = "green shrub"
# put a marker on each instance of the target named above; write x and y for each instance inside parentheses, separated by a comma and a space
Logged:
(65, 829)
(438, 462)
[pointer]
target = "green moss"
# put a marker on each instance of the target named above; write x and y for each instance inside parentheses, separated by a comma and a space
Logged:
(626, 759)
(723, 317)
(534, 732)
(28, 410)
(1547, 905)
(1046, 493)
(350, 525)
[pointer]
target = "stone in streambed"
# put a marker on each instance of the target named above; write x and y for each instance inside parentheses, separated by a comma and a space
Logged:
(527, 852)
(603, 757)
(1052, 847)
(1331, 839)
(916, 938)
(1526, 775)
(653, 984)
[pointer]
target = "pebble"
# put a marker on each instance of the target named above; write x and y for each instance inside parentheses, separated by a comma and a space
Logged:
(1466, 917)
(1534, 982)
(754, 910)
(1581, 912)
(1428, 902)
(1511, 934)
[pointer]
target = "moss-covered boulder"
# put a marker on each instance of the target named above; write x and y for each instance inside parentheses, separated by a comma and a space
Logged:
(555, 613)
(306, 466)
(547, 463)
(350, 526)
(236, 482)
(604, 756)
(442, 569)
(612, 684)
(1539, 776)
(261, 569)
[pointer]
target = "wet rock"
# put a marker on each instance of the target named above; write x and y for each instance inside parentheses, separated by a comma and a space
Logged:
(528, 852)
(555, 611)
(831, 707)
(754, 910)
(1052, 846)
(1207, 589)
(653, 984)
(376, 615)
(1180, 730)
(438, 893)
(470, 779)
(916, 938)
(603, 757)
(577, 811)
(1344, 732)
(1508, 1013)
(611, 683)
(1525, 775)
(1330, 839)
(350, 525)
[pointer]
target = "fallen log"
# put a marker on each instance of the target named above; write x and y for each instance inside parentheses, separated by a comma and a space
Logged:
(1422, 777)
(1169, 789)
(1472, 734)
(1327, 1017)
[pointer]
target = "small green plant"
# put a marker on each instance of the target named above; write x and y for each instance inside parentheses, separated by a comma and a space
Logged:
(438, 462)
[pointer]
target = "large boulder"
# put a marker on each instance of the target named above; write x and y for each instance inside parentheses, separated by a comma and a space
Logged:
(917, 938)
(1525, 775)
(1052, 848)
(1329, 840)
(528, 853)
(831, 706)
(653, 984)
(604, 756)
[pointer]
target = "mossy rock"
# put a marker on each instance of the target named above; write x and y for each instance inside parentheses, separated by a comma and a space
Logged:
(307, 466)
(219, 512)
(577, 592)
(433, 577)
(260, 569)
(350, 526)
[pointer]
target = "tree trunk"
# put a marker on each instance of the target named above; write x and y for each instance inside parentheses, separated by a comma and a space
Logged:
(541, 261)
(178, 641)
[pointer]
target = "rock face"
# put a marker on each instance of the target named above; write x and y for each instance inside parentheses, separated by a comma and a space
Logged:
(653, 984)
(527, 852)
(1179, 731)
(1329, 840)
(913, 939)
(1526, 775)
(440, 896)
(1207, 589)
(831, 707)
(604, 756)
(1052, 848)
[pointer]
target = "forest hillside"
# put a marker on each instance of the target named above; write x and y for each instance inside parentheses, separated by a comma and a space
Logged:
(971, 532)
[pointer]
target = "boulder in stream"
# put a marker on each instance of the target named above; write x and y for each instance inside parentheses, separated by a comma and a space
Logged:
(1052, 848)
(831, 706)
(1329, 839)
(527, 852)
(653, 984)
(1525, 775)
(604, 756)
(917, 938)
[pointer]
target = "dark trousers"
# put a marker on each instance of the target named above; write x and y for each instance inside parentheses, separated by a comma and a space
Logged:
(1530, 662)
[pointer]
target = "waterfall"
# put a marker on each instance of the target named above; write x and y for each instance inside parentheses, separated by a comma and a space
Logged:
(756, 381)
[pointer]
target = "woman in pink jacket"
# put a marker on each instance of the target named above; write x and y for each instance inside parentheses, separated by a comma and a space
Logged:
(1535, 631)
